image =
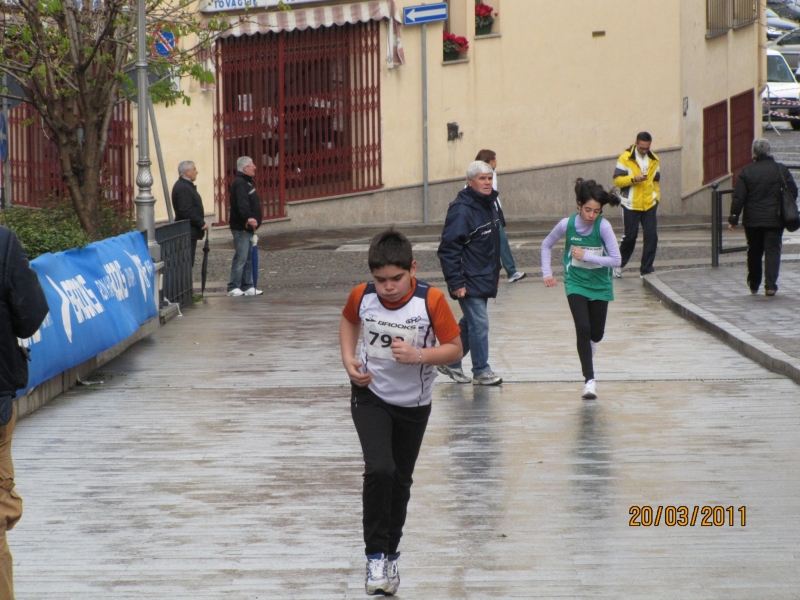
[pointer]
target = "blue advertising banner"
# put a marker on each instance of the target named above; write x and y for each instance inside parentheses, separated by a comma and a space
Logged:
(98, 296)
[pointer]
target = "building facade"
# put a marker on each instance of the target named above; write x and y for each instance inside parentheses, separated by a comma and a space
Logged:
(327, 100)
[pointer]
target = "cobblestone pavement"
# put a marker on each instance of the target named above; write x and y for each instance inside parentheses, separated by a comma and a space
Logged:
(218, 460)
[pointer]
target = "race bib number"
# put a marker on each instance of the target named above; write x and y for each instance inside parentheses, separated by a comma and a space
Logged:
(379, 335)
(594, 251)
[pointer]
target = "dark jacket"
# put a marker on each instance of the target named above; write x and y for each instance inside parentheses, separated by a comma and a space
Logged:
(188, 206)
(758, 192)
(245, 203)
(23, 307)
(470, 248)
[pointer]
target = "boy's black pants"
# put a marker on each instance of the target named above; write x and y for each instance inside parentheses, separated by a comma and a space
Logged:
(390, 437)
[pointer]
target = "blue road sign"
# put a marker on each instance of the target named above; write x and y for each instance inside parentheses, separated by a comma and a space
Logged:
(163, 43)
(426, 13)
(3, 138)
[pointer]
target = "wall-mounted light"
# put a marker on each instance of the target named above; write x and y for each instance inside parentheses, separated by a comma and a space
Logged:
(453, 133)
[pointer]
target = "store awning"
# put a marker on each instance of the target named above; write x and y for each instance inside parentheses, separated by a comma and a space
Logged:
(253, 22)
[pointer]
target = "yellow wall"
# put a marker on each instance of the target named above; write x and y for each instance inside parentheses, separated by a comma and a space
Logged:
(545, 91)
(713, 70)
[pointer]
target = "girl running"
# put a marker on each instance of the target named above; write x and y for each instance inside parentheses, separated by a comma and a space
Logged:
(590, 255)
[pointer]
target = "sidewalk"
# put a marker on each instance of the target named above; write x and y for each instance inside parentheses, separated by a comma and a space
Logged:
(719, 301)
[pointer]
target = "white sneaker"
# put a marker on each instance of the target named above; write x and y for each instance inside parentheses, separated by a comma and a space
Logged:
(456, 375)
(618, 272)
(594, 348)
(236, 292)
(517, 276)
(377, 581)
(252, 292)
(590, 390)
(393, 575)
(487, 378)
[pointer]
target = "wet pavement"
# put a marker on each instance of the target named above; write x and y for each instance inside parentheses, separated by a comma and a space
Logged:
(217, 458)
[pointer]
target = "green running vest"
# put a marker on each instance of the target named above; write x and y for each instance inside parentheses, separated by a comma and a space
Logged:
(584, 278)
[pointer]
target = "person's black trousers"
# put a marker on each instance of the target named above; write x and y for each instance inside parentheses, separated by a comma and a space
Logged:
(391, 437)
(763, 242)
(631, 220)
(193, 248)
(590, 326)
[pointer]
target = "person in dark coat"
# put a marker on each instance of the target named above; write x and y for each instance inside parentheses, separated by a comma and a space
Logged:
(23, 307)
(187, 203)
(470, 257)
(758, 193)
(245, 218)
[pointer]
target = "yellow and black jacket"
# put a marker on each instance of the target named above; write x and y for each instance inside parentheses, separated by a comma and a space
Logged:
(637, 196)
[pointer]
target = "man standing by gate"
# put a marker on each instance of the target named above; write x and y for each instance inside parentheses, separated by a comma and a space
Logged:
(245, 218)
(187, 203)
(23, 307)
(638, 176)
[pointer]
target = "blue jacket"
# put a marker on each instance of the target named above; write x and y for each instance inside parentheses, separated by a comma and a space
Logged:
(470, 248)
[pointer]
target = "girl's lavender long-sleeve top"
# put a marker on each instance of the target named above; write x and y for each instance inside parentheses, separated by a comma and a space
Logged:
(613, 259)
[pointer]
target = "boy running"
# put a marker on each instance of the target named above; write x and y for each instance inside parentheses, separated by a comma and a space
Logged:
(392, 382)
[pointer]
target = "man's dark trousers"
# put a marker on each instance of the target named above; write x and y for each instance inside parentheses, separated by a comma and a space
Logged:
(631, 220)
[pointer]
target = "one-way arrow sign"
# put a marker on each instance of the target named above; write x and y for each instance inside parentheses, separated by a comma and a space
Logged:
(426, 13)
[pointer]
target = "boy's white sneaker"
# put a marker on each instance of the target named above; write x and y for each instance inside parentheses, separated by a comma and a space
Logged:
(252, 292)
(590, 390)
(236, 292)
(392, 574)
(455, 374)
(377, 581)
(517, 276)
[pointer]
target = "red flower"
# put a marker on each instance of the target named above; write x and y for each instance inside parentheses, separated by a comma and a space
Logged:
(454, 43)
(483, 15)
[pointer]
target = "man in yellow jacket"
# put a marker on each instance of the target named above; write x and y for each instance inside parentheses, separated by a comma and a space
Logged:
(637, 175)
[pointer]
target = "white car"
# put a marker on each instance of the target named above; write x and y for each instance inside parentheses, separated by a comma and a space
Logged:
(782, 84)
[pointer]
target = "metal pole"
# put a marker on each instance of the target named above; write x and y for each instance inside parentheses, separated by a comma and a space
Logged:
(157, 141)
(716, 233)
(6, 162)
(425, 123)
(145, 202)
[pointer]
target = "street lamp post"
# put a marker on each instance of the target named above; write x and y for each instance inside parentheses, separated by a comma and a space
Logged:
(145, 202)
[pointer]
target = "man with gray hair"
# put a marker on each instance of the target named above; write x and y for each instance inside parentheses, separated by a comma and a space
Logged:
(470, 257)
(758, 192)
(188, 204)
(244, 218)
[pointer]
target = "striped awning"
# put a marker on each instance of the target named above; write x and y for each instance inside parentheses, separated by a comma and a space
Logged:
(253, 22)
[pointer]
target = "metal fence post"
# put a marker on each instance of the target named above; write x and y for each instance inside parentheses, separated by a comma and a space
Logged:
(716, 233)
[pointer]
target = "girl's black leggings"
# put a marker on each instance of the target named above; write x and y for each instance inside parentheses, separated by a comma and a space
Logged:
(590, 325)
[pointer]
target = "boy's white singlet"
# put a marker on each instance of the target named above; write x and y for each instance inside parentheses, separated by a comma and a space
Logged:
(401, 385)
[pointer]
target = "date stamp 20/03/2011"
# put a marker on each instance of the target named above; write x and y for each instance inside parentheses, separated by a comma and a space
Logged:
(710, 516)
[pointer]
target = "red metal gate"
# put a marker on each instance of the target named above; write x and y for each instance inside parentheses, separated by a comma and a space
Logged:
(715, 141)
(742, 131)
(305, 106)
(35, 168)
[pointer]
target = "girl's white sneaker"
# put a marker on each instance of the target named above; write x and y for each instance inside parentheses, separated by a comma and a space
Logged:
(590, 390)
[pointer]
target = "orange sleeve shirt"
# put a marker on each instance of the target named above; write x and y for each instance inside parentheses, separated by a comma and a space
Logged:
(444, 323)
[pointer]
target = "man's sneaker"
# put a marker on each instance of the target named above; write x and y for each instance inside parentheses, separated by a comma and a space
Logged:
(455, 374)
(590, 390)
(517, 276)
(618, 272)
(235, 292)
(594, 348)
(377, 582)
(252, 292)
(487, 378)
(392, 574)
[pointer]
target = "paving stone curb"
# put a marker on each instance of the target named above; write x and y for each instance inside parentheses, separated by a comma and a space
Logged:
(741, 341)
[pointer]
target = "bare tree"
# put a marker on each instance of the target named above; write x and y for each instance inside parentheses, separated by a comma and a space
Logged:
(71, 59)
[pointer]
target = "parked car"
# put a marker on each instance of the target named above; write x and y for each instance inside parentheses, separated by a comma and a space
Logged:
(789, 10)
(781, 84)
(776, 26)
(788, 45)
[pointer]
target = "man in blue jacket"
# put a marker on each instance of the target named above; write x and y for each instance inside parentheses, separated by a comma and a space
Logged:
(470, 256)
